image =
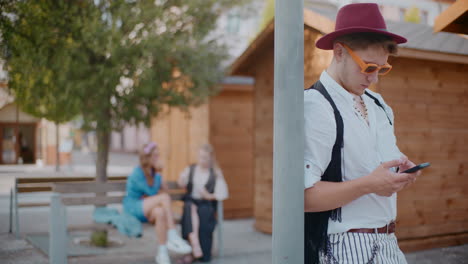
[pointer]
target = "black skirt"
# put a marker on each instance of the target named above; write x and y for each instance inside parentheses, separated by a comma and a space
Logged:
(206, 212)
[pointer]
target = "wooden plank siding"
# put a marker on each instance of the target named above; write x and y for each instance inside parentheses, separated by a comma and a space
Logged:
(179, 135)
(226, 122)
(263, 139)
(430, 102)
(315, 60)
(231, 133)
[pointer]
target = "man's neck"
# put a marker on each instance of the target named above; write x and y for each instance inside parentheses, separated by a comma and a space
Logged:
(332, 70)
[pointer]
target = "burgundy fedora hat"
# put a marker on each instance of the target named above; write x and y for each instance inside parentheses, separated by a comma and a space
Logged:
(354, 18)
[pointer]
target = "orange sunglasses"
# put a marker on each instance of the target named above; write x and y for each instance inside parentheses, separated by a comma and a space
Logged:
(368, 68)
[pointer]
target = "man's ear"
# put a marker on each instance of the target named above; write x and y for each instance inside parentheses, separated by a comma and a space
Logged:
(338, 52)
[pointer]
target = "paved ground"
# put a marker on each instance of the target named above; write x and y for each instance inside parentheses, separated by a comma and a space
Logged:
(243, 245)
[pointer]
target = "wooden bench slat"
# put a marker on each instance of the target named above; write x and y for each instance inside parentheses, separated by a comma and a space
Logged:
(88, 187)
(23, 180)
(97, 200)
(33, 204)
(45, 184)
(52, 179)
(39, 184)
(33, 189)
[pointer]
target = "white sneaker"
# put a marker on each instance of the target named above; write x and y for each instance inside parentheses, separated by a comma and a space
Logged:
(162, 258)
(178, 245)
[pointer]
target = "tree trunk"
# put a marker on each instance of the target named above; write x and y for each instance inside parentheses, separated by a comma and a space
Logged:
(57, 147)
(103, 140)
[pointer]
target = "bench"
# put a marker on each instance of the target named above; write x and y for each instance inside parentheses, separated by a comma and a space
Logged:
(98, 194)
(39, 184)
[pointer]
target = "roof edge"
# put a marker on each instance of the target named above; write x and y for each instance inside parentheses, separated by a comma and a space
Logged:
(445, 19)
(325, 25)
(234, 69)
(432, 55)
(311, 19)
(319, 22)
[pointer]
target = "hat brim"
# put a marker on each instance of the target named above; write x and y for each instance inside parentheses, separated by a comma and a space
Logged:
(326, 42)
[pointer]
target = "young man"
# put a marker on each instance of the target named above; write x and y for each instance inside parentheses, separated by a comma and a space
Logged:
(351, 158)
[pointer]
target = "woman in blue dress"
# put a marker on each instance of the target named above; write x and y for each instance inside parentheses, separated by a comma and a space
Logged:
(145, 201)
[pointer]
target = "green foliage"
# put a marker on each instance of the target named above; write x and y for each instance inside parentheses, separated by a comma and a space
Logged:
(115, 62)
(118, 61)
(99, 238)
(37, 58)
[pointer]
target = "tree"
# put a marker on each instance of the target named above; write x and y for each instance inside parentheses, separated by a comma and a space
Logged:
(36, 59)
(125, 59)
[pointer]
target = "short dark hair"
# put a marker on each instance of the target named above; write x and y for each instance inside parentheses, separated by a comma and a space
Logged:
(363, 40)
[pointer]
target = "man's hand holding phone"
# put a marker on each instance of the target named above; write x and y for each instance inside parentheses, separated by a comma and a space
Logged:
(408, 166)
(417, 167)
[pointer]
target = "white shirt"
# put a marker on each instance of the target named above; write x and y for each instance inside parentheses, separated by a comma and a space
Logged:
(365, 148)
(200, 178)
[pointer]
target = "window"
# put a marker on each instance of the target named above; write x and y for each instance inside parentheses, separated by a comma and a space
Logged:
(233, 20)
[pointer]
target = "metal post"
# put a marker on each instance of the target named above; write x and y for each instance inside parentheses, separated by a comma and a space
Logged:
(15, 195)
(220, 229)
(58, 243)
(288, 161)
(10, 230)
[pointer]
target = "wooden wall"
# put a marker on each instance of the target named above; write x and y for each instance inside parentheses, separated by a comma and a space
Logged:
(430, 102)
(315, 60)
(231, 133)
(227, 123)
(179, 135)
(263, 139)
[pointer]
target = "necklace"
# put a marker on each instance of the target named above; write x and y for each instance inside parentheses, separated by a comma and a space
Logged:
(360, 107)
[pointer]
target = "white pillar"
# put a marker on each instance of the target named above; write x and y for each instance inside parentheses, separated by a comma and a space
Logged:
(58, 243)
(288, 161)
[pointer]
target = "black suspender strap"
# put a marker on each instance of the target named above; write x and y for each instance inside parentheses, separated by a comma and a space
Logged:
(190, 179)
(210, 185)
(338, 119)
(377, 102)
(316, 223)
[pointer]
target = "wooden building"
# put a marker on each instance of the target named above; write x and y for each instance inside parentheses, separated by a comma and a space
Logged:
(25, 139)
(18, 135)
(226, 121)
(428, 91)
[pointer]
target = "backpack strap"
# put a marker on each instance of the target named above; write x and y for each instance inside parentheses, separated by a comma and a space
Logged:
(377, 102)
(316, 223)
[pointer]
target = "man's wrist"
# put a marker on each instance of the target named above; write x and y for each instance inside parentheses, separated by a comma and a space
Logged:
(362, 184)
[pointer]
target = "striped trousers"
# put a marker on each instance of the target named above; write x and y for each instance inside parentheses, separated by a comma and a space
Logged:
(362, 248)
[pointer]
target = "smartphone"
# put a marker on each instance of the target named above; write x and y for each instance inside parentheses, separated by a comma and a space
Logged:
(417, 167)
